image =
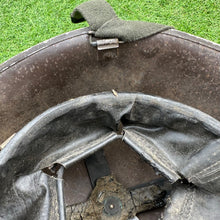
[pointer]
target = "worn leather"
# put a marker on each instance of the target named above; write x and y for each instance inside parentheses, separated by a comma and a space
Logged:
(180, 141)
(192, 203)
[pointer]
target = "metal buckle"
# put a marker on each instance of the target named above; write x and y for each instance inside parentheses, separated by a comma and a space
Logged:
(104, 44)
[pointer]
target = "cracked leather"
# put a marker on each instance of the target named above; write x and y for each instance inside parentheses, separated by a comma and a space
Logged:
(180, 141)
(129, 202)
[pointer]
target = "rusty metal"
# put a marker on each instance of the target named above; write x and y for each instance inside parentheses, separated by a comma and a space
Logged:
(111, 200)
(126, 165)
(107, 44)
(171, 64)
(104, 44)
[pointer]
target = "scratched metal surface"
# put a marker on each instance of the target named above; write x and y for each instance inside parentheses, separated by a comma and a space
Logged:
(171, 64)
(126, 166)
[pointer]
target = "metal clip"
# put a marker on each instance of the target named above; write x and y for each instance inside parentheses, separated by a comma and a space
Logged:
(104, 44)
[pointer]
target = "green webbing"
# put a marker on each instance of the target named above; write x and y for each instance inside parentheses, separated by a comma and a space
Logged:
(105, 23)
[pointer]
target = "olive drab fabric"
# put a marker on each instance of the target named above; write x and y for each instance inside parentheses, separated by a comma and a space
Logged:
(106, 24)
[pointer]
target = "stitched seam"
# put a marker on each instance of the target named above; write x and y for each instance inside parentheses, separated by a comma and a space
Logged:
(203, 177)
(207, 168)
(160, 157)
(200, 177)
(156, 152)
(186, 210)
(200, 180)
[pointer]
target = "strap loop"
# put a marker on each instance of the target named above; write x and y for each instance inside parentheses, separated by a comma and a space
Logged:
(104, 22)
